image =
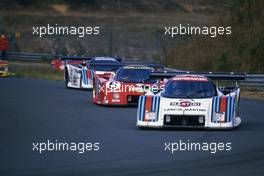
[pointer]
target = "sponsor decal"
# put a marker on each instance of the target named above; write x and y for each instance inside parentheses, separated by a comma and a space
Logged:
(190, 78)
(138, 67)
(185, 104)
(185, 110)
(104, 59)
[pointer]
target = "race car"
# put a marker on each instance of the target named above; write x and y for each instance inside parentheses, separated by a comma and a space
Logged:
(81, 75)
(125, 86)
(192, 101)
(3, 68)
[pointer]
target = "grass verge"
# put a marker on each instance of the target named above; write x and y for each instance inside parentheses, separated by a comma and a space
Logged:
(252, 92)
(35, 70)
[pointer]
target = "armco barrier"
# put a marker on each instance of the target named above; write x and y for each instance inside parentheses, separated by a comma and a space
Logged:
(19, 56)
(253, 80)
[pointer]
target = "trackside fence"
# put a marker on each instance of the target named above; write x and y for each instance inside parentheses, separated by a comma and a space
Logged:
(20, 56)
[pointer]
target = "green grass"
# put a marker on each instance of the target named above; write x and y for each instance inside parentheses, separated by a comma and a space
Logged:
(252, 92)
(35, 70)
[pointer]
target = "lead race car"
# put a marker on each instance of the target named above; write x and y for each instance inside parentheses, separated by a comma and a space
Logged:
(126, 85)
(81, 75)
(192, 100)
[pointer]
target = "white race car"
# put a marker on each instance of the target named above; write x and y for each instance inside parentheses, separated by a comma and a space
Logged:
(81, 75)
(191, 101)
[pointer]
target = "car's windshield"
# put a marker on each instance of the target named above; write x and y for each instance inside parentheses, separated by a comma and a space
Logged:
(106, 64)
(134, 75)
(189, 89)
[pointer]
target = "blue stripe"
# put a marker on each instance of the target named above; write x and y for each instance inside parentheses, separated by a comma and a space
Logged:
(84, 76)
(213, 109)
(232, 108)
(157, 107)
(139, 106)
(86, 80)
(92, 73)
(216, 107)
(143, 108)
(227, 108)
(153, 100)
(153, 104)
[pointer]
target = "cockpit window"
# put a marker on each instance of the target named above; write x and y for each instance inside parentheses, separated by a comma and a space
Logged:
(189, 89)
(134, 76)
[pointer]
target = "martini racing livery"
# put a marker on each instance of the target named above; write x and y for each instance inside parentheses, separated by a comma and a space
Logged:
(126, 86)
(81, 75)
(192, 101)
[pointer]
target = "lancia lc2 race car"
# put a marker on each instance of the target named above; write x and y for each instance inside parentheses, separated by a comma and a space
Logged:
(192, 100)
(81, 75)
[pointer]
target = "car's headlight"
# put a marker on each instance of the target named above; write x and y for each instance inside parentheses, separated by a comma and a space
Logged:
(219, 116)
(168, 118)
(201, 119)
(150, 115)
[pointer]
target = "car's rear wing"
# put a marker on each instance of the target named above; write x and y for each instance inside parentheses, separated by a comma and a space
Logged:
(121, 64)
(84, 58)
(78, 58)
(212, 75)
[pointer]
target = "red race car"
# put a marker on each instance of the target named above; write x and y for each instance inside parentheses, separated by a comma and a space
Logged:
(126, 85)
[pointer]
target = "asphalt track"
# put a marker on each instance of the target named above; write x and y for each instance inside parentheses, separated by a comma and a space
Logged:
(37, 110)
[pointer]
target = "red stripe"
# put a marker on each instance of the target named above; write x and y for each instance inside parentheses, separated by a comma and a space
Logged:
(223, 105)
(88, 74)
(148, 105)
